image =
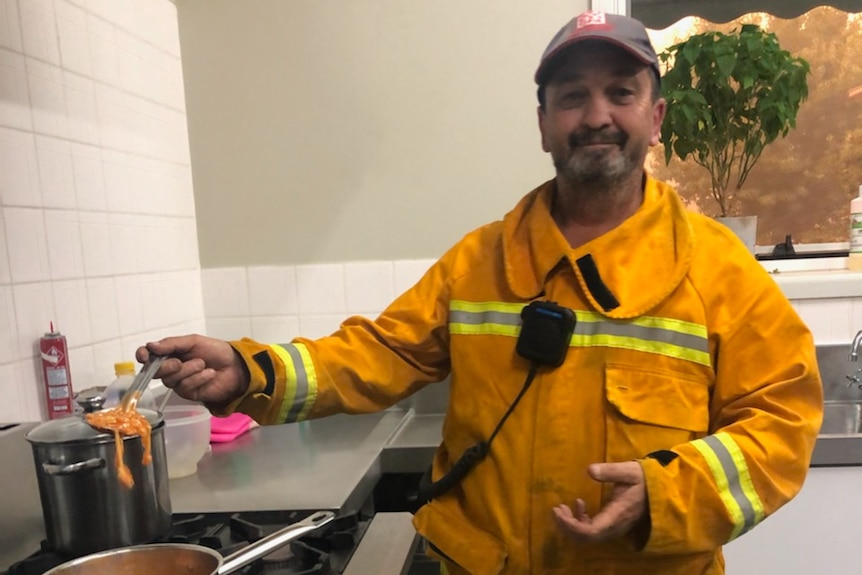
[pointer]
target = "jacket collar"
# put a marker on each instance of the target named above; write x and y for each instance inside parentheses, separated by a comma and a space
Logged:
(640, 262)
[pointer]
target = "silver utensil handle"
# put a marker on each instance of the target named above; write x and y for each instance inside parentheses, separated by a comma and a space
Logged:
(268, 544)
(141, 381)
(70, 468)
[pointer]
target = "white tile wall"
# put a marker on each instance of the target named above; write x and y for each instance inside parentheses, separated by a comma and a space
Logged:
(14, 93)
(369, 286)
(833, 320)
(272, 291)
(97, 222)
(19, 172)
(278, 303)
(321, 288)
(260, 302)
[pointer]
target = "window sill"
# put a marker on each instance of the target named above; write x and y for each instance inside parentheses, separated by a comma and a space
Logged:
(815, 278)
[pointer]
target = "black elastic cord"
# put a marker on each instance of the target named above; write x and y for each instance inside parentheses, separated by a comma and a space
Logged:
(530, 376)
(471, 457)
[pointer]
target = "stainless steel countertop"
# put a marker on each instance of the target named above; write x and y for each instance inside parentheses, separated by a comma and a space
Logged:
(387, 547)
(331, 464)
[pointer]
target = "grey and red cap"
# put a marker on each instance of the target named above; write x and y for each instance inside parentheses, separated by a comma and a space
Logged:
(622, 31)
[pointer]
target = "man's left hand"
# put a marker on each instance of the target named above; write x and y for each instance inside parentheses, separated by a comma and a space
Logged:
(627, 505)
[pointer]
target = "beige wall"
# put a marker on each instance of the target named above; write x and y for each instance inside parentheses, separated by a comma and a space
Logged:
(344, 130)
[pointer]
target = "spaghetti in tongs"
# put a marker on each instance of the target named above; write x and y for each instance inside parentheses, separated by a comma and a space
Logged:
(126, 420)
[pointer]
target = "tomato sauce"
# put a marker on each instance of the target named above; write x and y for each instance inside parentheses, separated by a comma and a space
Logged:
(124, 422)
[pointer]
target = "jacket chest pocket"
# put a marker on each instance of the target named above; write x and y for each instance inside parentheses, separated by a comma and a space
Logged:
(650, 410)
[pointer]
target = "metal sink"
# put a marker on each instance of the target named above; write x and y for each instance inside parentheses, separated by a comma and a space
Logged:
(842, 417)
(841, 377)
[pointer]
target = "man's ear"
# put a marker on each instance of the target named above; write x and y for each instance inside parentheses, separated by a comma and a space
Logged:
(658, 111)
(542, 119)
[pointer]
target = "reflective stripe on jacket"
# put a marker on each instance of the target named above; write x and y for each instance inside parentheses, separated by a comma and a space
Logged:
(683, 348)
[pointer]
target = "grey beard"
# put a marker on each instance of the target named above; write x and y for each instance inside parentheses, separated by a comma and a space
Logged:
(596, 170)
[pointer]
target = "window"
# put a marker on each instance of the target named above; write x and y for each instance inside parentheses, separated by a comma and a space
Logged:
(802, 185)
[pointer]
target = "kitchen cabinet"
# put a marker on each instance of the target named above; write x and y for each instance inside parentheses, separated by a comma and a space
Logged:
(816, 533)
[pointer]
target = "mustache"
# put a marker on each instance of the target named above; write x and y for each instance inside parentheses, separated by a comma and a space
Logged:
(589, 137)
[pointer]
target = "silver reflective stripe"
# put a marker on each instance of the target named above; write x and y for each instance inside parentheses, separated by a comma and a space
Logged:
(657, 334)
(301, 383)
(663, 336)
(728, 467)
(484, 317)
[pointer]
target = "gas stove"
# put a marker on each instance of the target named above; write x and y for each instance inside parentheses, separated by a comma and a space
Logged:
(323, 552)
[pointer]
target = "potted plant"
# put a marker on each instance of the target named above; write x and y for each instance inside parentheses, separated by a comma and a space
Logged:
(728, 97)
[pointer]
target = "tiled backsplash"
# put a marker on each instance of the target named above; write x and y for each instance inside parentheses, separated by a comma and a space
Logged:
(97, 219)
(275, 304)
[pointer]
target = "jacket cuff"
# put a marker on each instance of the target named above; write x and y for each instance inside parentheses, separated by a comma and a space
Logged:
(262, 400)
(659, 488)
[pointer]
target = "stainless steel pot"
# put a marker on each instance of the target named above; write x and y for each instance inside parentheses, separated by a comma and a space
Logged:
(181, 559)
(84, 505)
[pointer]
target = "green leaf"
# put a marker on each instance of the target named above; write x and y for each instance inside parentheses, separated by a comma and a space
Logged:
(726, 63)
(730, 94)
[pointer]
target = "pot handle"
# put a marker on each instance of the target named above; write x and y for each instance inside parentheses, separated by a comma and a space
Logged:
(267, 545)
(69, 469)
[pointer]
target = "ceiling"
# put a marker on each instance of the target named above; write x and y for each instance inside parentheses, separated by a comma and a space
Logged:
(659, 14)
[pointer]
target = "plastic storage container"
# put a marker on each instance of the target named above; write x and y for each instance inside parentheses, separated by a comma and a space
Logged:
(125, 374)
(187, 438)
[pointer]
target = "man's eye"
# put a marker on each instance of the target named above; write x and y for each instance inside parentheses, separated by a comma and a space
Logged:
(623, 93)
(572, 98)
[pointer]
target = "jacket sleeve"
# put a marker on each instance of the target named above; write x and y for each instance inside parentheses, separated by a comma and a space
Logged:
(365, 366)
(765, 412)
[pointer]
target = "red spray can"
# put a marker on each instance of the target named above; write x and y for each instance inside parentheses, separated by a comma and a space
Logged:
(55, 374)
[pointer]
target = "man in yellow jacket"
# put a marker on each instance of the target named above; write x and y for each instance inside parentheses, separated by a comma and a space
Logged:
(630, 388)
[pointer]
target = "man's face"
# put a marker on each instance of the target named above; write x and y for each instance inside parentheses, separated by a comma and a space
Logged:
(599, 117)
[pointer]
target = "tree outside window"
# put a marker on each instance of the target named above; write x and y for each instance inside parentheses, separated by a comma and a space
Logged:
(802, 184)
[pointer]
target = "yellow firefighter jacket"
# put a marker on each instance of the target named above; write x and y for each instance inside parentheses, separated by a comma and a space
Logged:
(685, 356)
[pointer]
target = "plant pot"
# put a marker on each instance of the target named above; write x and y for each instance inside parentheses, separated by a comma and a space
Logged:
(745, 228)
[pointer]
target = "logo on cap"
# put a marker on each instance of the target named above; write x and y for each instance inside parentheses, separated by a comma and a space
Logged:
(591, 19)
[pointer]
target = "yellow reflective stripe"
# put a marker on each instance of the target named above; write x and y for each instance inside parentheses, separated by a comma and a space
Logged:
(485, 318)
(676, 325)
(311, 374)
(645, 345)
(289, 381)
(721, 482)
(731, 475)
(745, 481)
(472, 306)
(484, 329)
(663, 336)
(300, 382)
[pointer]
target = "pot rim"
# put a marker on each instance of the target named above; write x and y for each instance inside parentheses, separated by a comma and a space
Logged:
(100, 437)
(92, 557)
(224, 565)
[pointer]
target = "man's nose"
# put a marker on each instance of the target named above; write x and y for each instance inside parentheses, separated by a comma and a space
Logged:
(597, 113)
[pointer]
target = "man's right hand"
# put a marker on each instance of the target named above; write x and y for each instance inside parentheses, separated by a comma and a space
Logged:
(199, 368)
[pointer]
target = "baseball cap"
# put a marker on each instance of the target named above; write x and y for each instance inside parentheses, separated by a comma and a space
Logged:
(622, 31)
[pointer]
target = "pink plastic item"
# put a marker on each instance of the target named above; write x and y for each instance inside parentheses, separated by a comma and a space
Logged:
(225, 429)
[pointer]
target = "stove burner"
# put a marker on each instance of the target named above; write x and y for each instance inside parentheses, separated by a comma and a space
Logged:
(322, 552)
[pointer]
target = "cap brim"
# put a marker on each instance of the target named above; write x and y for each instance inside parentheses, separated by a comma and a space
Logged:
(547, 64)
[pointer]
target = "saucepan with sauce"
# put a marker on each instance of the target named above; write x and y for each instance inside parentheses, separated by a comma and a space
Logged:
(181, 559)
(90, 502)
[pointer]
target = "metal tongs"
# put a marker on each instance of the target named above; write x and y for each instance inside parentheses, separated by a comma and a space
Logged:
(140, 383)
